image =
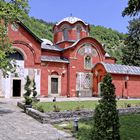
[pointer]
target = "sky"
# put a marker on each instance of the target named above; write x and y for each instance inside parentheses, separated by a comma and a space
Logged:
(105, 13)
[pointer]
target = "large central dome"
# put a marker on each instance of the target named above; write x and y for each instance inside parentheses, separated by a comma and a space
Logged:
(71, 20)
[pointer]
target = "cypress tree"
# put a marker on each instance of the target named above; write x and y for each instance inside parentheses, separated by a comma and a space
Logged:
(106, 119)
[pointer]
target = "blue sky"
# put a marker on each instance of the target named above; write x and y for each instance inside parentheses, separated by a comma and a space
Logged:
(106, 13)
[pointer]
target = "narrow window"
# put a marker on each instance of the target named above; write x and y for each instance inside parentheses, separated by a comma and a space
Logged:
(78, 32)
(125, 84)
(88, 62)
(65, 34)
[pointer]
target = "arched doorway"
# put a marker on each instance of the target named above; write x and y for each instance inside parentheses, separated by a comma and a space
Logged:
(17, 76)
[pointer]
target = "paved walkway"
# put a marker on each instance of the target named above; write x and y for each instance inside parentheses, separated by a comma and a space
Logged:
(16, 125)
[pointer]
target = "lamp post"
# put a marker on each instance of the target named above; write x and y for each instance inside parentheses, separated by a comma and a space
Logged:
(75, 124)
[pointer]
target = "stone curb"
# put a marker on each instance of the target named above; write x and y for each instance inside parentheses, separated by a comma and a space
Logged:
(56, 117)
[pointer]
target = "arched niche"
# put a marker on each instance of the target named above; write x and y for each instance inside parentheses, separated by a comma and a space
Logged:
(54, 73)
(16, 55)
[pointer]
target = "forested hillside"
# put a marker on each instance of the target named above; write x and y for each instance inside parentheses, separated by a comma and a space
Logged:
(112, 40)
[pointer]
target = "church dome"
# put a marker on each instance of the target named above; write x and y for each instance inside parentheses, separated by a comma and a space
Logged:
(46, 41)
(71, 20)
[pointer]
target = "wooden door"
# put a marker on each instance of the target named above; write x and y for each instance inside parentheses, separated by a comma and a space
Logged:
(54, 85)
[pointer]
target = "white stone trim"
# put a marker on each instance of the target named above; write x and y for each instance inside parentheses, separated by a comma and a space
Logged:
(49, 85)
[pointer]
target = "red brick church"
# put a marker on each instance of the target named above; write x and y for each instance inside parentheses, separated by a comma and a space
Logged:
(72, 65)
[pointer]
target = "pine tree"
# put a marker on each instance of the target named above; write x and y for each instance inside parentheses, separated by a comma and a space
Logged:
(106, 119)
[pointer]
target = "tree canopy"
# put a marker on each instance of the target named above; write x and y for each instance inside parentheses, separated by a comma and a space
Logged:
(10, 11)
(131, 51)
(132, 9)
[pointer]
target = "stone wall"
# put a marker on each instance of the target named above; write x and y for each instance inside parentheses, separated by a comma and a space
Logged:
(55, 117)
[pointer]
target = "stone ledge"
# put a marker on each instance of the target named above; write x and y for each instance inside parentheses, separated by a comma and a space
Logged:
(55, 117)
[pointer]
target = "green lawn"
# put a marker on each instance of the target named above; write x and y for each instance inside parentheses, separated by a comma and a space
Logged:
(129, 130)
(76, 105)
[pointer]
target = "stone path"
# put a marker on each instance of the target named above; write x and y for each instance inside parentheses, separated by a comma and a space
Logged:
(16, 125)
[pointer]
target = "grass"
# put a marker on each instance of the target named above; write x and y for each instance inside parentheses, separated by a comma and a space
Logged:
(129, 130)
(78, 105)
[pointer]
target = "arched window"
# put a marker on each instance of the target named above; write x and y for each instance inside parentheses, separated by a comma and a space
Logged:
(65, 34)
(88, 62)
(16, 55)
(78, 32)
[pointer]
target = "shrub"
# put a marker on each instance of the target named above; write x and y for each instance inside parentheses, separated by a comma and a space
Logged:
(34, 89)
(28, 100)
(27, 87)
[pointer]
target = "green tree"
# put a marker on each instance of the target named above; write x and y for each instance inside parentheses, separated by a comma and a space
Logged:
(132, 9)
(9, 12)
(131, 51)
(106, 120)
(112, 40)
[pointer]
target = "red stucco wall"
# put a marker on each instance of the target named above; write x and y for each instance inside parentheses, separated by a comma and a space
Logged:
(132, 89)
(124, 88)
(27, 44)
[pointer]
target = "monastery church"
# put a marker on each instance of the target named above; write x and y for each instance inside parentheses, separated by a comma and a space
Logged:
(72, 65)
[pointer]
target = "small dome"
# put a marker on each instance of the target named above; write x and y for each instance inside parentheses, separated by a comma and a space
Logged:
(71, 20)
(46, 42)
(107, 55)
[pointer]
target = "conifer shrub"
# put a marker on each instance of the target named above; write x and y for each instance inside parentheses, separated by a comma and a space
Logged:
(31, 93)
(27, 88)
(34, 89)
(106, 119)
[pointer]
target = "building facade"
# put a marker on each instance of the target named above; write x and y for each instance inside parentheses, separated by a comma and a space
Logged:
(68, 66)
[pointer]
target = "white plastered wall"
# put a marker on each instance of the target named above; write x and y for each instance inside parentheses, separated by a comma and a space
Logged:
(6, 84)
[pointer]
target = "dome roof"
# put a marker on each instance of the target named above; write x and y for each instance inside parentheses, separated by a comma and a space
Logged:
(71, 20)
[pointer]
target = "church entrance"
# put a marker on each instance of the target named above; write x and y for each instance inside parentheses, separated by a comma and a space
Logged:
(16, 88)
(54, 85)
